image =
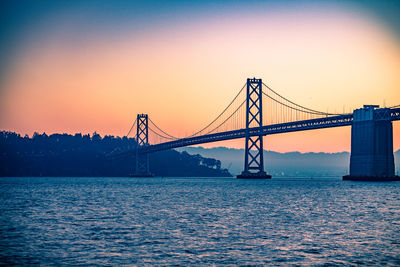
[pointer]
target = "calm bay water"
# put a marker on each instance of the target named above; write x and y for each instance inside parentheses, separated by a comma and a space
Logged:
(163, 221)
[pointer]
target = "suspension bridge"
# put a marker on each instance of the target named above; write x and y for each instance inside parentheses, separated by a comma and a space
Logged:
(257, 110)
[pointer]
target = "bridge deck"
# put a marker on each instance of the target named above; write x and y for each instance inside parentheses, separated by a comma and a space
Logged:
(335, 121)
(327, 122)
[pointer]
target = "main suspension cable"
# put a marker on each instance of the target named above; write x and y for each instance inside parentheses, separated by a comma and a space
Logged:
(133, 125)
(219, 114)
(227, 118)
(160, 135)
(312, 110)
(167, 134)
(309, 112)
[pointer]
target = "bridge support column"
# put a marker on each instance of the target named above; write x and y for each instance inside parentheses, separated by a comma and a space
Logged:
(142, 139)
(371, 156)
(254, 153)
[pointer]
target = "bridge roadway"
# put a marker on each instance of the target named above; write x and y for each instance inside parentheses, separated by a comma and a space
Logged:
(326, 122)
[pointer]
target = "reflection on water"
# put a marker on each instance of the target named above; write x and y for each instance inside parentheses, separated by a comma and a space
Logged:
(198, 221)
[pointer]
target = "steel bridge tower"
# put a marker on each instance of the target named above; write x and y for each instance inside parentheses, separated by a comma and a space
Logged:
(254, 153)
(142, 139)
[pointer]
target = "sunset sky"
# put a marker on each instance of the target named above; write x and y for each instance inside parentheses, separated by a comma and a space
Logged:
(86, 66)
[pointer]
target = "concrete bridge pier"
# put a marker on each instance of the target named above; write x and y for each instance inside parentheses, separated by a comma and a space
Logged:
(371, 156)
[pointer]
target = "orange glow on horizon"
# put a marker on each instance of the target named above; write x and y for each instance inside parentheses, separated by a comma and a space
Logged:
(184, 75)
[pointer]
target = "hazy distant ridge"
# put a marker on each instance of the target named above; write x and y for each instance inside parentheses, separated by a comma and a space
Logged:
(291, 164)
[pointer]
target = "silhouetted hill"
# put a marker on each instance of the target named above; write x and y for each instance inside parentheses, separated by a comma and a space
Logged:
(292, 164)
(85, 155)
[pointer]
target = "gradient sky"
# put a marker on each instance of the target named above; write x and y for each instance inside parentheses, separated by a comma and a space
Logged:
(85, 66)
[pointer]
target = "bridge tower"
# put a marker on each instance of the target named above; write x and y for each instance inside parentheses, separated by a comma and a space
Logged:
(142, 139)
(371, 156)
(254, 153)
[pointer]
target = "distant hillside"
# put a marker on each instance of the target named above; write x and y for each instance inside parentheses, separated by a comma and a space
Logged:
(85, 155)
(292, 164)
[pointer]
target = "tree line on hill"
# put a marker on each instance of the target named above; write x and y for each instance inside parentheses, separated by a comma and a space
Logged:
(91, 155)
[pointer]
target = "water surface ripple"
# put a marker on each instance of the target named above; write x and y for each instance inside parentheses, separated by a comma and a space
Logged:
(166, 221)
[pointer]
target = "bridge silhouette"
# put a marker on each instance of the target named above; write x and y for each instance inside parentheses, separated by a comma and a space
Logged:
(257, 110)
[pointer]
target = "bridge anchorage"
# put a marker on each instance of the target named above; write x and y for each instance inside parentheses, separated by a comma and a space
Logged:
(371, 156)
(246, 117)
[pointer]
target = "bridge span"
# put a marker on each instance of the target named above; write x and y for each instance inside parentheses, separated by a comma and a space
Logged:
(372, 132)
(335, 121)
